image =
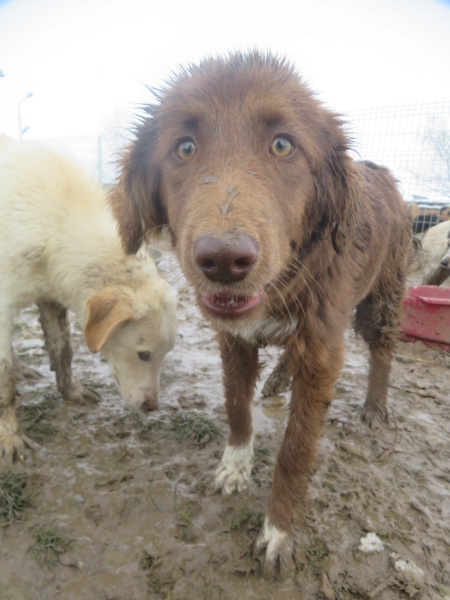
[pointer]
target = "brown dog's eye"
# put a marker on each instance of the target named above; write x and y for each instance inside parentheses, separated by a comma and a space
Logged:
(185, 150)
(281, 147)
(145, 356)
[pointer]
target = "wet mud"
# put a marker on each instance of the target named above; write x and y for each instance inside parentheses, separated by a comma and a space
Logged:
(129, 495)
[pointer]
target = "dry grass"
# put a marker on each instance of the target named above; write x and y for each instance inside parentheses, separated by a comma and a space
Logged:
(196, 428)
(13, 497)
(36, 418)
(249, 519)
(48, 546)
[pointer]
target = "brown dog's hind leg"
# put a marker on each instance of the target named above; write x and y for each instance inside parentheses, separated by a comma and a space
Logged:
(56, 327)
(240, 370)
(376, 320)
(279, 381)
(375, 405)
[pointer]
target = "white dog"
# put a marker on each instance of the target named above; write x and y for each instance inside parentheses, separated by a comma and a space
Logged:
(436, 254)
(60, 249)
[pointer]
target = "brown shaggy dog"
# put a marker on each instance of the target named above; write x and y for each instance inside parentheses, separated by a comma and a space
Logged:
(281, 234)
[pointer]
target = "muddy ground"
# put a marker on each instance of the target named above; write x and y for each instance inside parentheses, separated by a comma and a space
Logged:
(120, 505)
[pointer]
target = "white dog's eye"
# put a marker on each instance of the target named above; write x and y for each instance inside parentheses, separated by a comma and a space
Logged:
(145, 356)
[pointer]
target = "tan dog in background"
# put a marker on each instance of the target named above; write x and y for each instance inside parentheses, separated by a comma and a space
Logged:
(60, 249)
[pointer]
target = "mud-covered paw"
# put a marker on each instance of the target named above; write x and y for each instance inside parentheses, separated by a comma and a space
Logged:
(12, 447)
(12, 444)
(278, 559)
(81, 395)
(230, 480)
(23, 372)
(233, 472)
(371, 413)
(278, 382)
(90, 396)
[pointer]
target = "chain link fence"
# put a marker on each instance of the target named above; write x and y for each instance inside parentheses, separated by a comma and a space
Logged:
(413, 141)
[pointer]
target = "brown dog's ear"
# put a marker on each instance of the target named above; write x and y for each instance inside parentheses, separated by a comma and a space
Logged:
(135, 200)
(106, 310)
(343, 196)
(337, 188)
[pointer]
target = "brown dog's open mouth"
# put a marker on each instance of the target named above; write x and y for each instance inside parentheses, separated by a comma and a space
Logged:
(230, 305)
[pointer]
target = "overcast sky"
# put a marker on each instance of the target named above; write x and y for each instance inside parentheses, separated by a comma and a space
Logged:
(87, 61)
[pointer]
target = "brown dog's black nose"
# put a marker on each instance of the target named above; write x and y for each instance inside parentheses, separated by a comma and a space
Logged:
(225, 259)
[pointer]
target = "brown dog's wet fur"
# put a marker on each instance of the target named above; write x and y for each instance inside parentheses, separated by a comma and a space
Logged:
(268, 212)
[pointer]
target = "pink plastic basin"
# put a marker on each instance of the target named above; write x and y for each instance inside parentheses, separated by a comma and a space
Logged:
(426, 316)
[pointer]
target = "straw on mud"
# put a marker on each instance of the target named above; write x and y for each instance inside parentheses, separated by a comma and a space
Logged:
(314, 556)
(328, 485)
(194, 427)
(262, 455)
(48, 546)
(36, 417)
(13, 499)
(252, 520)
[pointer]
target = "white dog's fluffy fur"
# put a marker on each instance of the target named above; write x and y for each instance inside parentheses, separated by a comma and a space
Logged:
(436, 248)
(60, 249)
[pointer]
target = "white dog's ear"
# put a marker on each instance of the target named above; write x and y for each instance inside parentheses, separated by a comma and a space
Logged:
(106, 310)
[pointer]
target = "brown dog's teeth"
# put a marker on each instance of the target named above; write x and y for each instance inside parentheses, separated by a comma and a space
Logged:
(229, 300)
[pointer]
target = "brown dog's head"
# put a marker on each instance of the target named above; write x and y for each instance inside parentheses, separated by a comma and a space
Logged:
(250, 173)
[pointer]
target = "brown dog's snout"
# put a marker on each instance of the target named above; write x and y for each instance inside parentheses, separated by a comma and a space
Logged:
(225, 259)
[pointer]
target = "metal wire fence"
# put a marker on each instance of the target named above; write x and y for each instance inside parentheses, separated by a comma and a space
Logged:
(413, 141)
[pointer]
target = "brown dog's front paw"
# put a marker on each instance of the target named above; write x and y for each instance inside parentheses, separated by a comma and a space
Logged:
(279, 551)
(233, 472)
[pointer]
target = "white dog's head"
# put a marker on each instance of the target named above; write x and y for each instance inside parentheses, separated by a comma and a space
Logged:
(134, 330)
(445, 260)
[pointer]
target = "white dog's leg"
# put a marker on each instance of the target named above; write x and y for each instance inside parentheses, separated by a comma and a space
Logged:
(22, 371)
(55, 323)
(234, 470)
(11, 443)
